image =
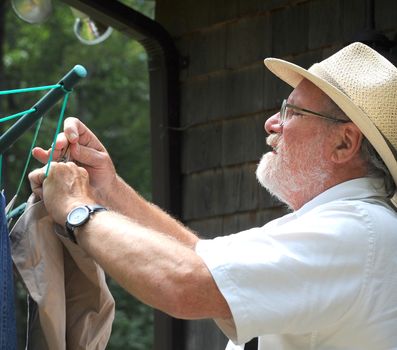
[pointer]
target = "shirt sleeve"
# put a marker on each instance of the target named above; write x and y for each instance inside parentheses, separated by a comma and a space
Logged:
(295, 277)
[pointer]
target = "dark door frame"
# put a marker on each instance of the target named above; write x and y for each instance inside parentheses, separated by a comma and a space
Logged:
(163, 65)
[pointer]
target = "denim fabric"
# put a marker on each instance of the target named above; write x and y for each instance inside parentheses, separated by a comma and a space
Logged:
(8, 337)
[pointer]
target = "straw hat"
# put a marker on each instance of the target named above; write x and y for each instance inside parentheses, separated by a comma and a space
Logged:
(364, 85)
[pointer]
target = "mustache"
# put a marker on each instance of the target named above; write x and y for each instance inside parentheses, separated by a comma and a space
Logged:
(272, 140)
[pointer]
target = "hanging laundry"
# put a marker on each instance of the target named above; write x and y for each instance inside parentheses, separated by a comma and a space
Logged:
(7, 304)
(70, 305)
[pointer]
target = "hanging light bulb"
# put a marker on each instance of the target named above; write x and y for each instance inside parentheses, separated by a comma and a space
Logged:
(32, 11)
(89, 32)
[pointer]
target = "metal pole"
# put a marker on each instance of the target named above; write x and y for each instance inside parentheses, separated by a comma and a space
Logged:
(41, 107)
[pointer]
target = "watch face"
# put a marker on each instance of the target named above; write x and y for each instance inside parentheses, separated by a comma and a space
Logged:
(78, 216)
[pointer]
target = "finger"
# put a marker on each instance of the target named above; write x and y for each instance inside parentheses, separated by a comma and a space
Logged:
(54, 169)
(88, 156)
(71, 129)
(76, 131)
(38, 175)
(43, 155)
(36, 179)
(62, 141)
(40, 154)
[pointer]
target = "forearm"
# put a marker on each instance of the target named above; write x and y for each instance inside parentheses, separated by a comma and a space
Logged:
(150, 255)
(157, 269)
(123, 199)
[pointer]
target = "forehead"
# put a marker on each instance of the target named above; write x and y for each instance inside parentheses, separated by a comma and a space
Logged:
(307, 95)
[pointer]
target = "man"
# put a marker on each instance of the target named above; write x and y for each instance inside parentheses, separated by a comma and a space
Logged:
(322, 277)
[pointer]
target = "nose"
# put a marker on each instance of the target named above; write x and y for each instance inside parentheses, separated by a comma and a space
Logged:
(272, 124)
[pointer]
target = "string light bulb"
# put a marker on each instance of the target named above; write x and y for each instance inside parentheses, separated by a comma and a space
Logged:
(88, 31)
(32, 11)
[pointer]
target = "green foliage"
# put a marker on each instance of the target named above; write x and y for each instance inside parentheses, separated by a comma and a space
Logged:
(113, 101)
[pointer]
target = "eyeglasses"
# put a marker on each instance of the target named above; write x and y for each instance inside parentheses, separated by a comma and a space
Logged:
(287, 111)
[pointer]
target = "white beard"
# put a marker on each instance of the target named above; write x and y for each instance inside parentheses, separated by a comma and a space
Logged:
(289, 171)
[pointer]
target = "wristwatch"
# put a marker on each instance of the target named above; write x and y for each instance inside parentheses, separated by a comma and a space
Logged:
(79, 216)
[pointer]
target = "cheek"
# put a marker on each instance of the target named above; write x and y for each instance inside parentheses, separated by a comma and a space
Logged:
(292, 145)
(301, 151)
(298, 130)
(302, 134)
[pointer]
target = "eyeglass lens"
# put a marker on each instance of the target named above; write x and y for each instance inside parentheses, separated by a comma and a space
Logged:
(285, 112)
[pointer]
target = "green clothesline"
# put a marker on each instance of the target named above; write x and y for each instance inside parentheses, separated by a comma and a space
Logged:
(11, 212)
(17, 115)
(17, 91)
(57, 92)
(37, 88)
(58, 129)
(64, 87)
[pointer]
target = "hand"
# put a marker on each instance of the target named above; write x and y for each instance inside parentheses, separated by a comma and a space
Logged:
(86, 150)
(67, 186)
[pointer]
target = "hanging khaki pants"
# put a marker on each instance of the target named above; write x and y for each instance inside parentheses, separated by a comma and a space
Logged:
(74, 306)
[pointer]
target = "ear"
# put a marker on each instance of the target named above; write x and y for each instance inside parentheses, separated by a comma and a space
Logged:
(347, 143)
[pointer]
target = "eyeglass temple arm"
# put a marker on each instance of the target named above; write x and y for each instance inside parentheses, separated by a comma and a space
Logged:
(316, 113)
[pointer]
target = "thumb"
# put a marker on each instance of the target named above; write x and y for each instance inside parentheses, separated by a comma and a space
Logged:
(72, 135)
(87, 156)
(36, 179)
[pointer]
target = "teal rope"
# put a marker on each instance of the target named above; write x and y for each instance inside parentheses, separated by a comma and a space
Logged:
(38, 126)
(16, 115)
(37, 88)
(17, 91)
(60, 120)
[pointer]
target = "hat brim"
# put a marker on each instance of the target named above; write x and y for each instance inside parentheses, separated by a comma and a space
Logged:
(292, 74)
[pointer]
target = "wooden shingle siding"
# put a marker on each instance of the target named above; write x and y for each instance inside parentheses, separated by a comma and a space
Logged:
(227, 94)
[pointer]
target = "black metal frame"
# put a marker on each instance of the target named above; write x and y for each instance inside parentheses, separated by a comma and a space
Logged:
(41, 107)
(163, 67)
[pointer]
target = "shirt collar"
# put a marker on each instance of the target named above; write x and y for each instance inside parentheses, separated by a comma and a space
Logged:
(361, 188)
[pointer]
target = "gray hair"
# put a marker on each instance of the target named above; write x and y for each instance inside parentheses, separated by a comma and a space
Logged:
(375, 165)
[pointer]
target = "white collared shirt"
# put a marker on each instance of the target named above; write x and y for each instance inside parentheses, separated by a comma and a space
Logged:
(323, 277)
